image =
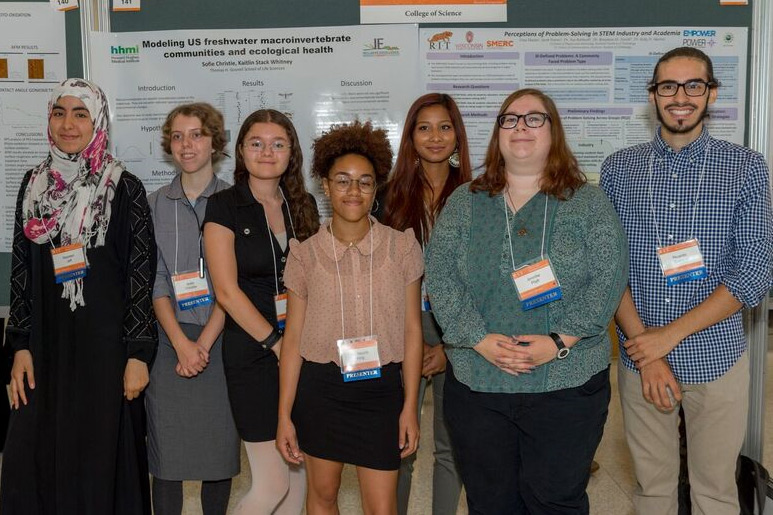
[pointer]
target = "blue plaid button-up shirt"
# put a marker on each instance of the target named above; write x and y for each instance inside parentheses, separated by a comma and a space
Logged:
(656, 193)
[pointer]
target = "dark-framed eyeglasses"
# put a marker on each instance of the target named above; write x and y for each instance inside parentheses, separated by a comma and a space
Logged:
(532, 120)
(692, 88)
(366, 183)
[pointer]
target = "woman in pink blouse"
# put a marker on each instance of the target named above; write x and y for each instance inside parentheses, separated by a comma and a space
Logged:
(352, 350)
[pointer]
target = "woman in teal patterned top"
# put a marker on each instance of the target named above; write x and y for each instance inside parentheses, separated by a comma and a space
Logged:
(525, 269)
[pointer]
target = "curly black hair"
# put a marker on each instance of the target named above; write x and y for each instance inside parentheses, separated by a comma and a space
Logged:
(354, 138)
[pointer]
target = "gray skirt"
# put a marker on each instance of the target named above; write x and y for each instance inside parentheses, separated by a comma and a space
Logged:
(191, 432)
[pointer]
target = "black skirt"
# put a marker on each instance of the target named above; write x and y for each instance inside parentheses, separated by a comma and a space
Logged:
(356, 422)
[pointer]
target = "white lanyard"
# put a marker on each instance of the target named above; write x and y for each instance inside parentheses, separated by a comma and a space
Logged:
(509, 236)
(177, 240)
(340, 284)
(695, 204)
(271, 241)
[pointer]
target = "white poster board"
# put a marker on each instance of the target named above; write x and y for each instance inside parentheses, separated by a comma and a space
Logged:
(317, 76)
(596, 76)
(32, 62)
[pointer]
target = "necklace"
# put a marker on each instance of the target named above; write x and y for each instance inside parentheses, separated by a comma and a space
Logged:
(349, 243)
(522, 231)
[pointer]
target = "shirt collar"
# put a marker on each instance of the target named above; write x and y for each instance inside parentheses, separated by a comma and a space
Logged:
(363, 246)
(175, 191)
(244, 195)
(693, 149)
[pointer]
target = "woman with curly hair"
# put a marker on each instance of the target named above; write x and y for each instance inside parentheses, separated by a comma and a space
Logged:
(351, 361)
(191, 434)
(432, 162)
(246, 231)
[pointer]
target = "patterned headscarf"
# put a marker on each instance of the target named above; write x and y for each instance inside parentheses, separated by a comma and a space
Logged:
(70, 195)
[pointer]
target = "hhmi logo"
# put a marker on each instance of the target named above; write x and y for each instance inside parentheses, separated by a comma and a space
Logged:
(124, 54)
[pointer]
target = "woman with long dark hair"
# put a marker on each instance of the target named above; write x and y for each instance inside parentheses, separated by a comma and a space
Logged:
(246, 233)
(432, 162)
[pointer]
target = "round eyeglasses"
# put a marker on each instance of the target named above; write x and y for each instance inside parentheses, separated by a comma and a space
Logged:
(366, 183)
(692, 88)
(277, 146)
(532, 120)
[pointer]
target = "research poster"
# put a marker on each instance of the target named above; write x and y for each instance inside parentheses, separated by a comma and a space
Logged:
(596, 76)
(32, 61)
(432, 11)
(317, 76)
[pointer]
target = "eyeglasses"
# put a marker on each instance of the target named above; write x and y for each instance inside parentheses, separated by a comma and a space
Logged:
(366, 183)
(533, 120)
(692, 88)
(277, 146)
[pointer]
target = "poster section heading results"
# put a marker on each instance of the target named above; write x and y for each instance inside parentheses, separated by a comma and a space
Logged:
(432, 11)
(32, 61)
(597, 77)
(316, 76)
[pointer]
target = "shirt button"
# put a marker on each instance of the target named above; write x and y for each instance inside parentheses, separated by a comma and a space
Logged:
(672, 205)
(247, 230)
(284, 259)
(667, 300)
(670, 236)
(674, 176)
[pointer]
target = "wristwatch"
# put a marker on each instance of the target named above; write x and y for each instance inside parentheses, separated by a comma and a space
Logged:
(563, 350)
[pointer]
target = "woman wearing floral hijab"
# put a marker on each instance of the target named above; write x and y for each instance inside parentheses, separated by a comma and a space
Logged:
(81, 325)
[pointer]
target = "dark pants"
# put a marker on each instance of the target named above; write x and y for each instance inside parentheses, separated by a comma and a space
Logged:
(526, 453)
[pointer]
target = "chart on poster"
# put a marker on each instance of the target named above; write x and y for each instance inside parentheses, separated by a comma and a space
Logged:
(597, 76)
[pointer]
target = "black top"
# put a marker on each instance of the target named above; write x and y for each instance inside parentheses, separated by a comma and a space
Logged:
(78, 446)
(237, 210)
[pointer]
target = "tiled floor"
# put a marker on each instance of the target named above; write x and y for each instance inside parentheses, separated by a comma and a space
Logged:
(610, 488)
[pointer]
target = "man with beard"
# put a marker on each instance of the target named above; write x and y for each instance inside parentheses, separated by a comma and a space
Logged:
(697, 214)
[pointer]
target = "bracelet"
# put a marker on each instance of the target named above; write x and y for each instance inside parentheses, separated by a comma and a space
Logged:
(271, 339)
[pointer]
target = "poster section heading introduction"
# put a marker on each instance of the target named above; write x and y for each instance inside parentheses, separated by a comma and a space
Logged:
(316, 76)
(596, 76)
(32, 61)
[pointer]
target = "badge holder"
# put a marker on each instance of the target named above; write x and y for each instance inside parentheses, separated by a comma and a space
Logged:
(534, 281)
(69, 262)
(359, 358)
(425, 304)
(191, 290)
(682, 262)
(536, 284)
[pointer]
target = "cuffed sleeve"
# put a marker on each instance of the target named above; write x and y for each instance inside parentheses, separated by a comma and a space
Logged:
(295, 276)
(750, 275)
(447, 274)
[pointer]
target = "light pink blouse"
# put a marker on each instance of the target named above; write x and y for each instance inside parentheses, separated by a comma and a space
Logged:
(311, 274)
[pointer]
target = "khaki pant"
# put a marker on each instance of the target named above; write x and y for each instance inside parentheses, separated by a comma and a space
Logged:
(715, 422)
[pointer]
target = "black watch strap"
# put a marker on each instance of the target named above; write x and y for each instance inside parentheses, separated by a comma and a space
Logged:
(271, 339)
(563, 350)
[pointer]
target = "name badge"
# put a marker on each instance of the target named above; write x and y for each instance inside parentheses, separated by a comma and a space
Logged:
(425, 305)
(536, 284)
(191, 290)
(69, 262)
(682, 262)
(359, 358)
(280, 304)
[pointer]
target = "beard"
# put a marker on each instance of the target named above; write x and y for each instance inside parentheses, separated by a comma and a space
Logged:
(681, 126)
